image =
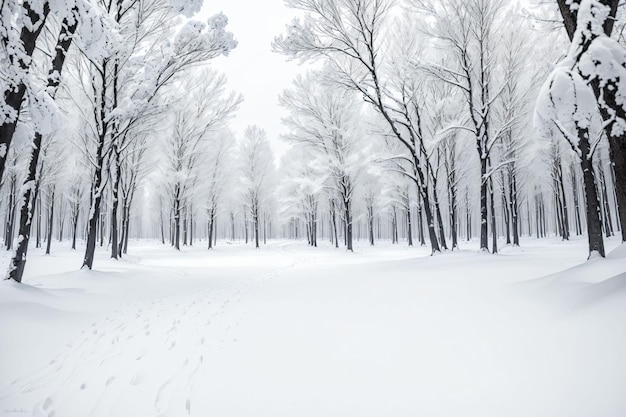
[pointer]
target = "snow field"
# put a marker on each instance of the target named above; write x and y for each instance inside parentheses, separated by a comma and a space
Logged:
(290, 330)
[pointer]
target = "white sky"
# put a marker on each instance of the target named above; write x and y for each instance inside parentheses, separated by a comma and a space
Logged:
(252, 68)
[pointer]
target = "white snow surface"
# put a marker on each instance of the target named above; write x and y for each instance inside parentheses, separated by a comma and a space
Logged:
(289, 330)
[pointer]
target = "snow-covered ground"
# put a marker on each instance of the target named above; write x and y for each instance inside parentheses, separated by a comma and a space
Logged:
(289, 331)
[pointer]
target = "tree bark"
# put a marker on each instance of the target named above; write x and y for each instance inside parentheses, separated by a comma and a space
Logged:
(14, 96)
(115, 190)
(333, 218)
(606, 93)
(177, 213)
(10, 217)
(494, 230)
(409, 224)
(348, 219)
(483, 206)
(574, 181)
(50, 222)
(255, 216)
(96, 186)
(75, 227)
(594, 223)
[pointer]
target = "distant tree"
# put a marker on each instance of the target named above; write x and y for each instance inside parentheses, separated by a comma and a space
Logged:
(126, 83)
(219, 174)
(470, 30)
(349, 35)
(326, 122)
(257, 165)
(187, 148)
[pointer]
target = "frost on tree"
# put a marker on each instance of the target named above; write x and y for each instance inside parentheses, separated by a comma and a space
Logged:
(567, 102)
(129, 82)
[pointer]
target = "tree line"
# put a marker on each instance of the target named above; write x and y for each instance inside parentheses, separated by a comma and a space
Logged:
(426, 121)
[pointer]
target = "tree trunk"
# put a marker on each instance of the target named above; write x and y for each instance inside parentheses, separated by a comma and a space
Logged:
(18, 262)
(245, 225)
(574, 181)
(185, 223)
(608, 222)
(513, 205)
(38, 237)
(409, 224)
(594, 223)
(370, 222)
(494, 231)
(124, 228)
(430, 223)
(14, 95)
(10, 218)
(75, 226)
(50, 222)
(190, 226)
(210, 230)
(420, 222)
(442, 232)
(348, 220)
(232, 226)
(96, 186)
(562, 199)
(162, 228)
(255, 215)
(483, 205)
(177, 213)
(506, 209)
(607, 93)
(468, 216)
(115, 204)
(333, 217)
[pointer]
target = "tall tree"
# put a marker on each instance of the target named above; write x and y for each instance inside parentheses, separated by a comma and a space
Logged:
(589, 24)
(348, 34)
(257, 164)
(117, 112)
(326, 122)
(69, 25)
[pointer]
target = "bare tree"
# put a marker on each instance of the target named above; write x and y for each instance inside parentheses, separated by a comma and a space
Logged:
(257, 164)
(347, 33)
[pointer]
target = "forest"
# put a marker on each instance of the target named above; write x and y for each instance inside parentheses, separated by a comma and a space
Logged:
(416, 129)
(451, 122)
